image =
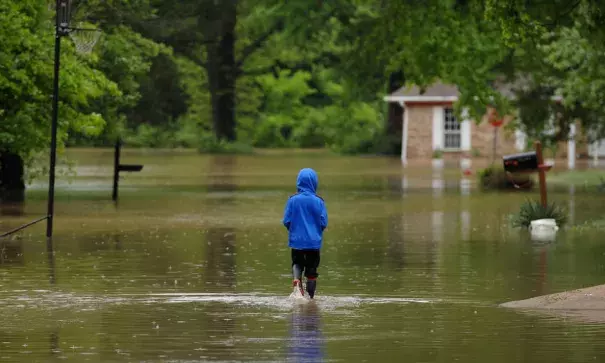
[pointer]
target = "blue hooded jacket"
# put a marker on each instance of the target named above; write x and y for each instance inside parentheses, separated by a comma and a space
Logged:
(305, 215)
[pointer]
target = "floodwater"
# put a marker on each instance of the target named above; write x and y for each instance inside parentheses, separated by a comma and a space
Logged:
(192, 265)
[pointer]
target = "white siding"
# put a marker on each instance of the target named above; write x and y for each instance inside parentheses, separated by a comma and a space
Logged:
(465, 131)
(438, 115)
(404, 136)
(520, 140)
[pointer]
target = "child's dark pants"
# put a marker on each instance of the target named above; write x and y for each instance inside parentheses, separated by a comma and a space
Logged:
(307, 260)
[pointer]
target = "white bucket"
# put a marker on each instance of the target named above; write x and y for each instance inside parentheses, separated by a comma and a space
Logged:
(543, 229)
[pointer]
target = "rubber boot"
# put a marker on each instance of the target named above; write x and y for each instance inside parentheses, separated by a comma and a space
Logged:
(297, 274)
(311, 286)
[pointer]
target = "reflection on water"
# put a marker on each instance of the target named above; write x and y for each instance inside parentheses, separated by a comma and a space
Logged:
(52, 274)
(438, 186)
(221, 250)
(438, 183)
(437, 226)
(221, 258)
(11, 252)
(306, 343)
(220, 274)
(414, 266)
(54, 343)
(572, 205)
(465, 186)
(465, 225)
(396, 238)
(12, 209)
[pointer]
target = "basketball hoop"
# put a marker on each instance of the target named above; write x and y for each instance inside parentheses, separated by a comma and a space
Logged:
(84, 36)
(84, 39)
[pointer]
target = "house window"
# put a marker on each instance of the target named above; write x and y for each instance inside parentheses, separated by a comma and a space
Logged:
(451, 130)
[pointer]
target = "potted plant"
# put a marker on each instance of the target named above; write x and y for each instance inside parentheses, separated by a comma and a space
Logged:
(437, 159)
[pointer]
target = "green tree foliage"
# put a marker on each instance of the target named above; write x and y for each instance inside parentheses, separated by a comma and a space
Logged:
(561, 46)
(537, 51)
(300, 73)
(256, 55)
(434, 40)
(26, 74)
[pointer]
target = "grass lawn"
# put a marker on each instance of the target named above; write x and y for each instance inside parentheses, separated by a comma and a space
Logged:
(589, 177)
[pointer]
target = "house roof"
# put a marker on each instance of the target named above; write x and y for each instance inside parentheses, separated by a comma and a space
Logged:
(441, 92)
(435, 92)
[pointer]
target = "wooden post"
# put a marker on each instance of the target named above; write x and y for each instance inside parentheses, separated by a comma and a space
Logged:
(541, 173)
(116, 169)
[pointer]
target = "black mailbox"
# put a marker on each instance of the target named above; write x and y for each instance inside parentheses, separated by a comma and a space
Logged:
(523, 162)
(130, 167)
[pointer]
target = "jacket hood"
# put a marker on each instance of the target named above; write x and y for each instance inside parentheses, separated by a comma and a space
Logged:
(306, 181)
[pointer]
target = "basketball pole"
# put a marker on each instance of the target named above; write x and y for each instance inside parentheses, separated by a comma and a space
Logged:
(60, 29)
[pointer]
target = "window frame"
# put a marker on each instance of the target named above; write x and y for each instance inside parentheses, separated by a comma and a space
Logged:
(447, 132)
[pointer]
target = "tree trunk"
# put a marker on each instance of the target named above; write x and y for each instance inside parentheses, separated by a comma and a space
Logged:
(12, 186)
(222, 71)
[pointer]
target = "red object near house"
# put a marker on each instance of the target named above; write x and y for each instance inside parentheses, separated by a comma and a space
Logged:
(497, 123)
(494, 119)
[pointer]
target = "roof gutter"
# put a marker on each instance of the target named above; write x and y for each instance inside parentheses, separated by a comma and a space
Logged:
(429, 99)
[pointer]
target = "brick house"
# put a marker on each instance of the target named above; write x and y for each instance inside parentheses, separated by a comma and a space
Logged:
(430, 125)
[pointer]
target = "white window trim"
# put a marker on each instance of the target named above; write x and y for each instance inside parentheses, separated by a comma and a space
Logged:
(445, 132)
(439, 131)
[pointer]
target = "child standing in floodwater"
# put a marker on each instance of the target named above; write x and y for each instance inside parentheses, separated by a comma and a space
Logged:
(306, 218)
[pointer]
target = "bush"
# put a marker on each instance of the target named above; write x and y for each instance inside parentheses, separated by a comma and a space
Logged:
(532, 210)
(356, 129)
(274, 131)
(496, 178)
(387, 144)
(210, 145)
(150, 136)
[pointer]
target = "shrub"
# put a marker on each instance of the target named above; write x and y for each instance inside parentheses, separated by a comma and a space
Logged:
(210, 145)
(496, 178)
(151, 136)
(532, 210)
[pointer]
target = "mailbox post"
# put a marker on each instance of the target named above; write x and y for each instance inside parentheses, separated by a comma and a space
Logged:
(117, 168)
(541, 173)
(530, 162)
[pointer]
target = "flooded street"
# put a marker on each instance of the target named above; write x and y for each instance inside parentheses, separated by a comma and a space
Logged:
(192, 265)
